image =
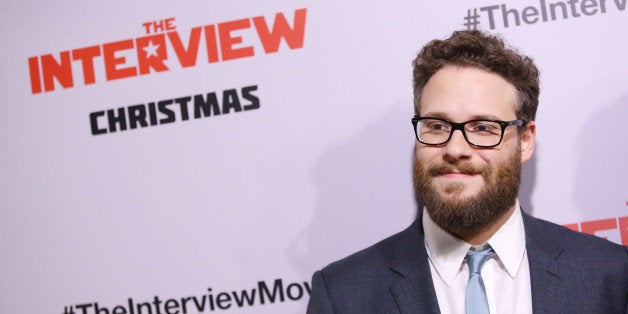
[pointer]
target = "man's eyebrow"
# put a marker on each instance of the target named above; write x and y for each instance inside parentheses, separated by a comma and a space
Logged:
(437, 114)
(443, 115)
(485, 117)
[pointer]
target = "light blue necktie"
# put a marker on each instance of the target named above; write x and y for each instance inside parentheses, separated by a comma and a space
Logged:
(475, 296)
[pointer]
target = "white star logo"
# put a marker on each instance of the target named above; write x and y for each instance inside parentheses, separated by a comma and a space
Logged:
(151, 49)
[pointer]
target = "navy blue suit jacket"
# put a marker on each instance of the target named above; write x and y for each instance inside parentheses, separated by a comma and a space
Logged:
(570, 272)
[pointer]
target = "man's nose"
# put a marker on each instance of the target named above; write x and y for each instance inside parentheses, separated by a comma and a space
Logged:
(457, 147)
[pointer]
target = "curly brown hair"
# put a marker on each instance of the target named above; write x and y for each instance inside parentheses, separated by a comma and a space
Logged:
(481, 50)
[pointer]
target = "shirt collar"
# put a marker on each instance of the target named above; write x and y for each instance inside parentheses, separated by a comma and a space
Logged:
(447, 252)
(509, 242)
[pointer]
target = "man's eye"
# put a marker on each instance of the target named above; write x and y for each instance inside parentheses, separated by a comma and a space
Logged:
(438, 126)
(484, 128)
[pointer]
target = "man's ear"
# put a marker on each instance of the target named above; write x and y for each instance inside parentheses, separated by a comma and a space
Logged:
(528, 140)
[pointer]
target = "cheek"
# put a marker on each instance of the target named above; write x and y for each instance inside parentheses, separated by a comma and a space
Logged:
(497, 158)
(490, 159)
(425, 153)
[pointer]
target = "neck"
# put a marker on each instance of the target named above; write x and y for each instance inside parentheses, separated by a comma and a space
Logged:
(477, 237)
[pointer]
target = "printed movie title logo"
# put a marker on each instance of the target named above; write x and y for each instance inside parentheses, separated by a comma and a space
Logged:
(144, 55)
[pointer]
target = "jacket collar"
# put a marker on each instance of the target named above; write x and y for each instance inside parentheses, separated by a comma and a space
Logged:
(543, 252)
(414, 291)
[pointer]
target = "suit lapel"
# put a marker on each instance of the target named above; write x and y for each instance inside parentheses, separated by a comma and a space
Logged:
(413, 295)
(414, 291)
(545, 276)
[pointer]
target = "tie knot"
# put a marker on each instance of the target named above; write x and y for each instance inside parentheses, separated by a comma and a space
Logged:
(477, 258)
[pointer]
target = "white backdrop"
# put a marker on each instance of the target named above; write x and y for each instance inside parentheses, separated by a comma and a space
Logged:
(184, 216)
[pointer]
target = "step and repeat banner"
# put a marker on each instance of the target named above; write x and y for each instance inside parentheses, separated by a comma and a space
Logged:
(209, 156)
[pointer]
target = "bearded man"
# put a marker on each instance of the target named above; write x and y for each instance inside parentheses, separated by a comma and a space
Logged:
(472, 249)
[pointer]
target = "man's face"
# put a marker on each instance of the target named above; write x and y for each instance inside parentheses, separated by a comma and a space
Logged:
(465, 188)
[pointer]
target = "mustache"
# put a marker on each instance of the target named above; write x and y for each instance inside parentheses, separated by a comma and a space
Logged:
(464, 168)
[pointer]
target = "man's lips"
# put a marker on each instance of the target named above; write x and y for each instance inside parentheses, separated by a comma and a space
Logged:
(456, 175)
(455, 172)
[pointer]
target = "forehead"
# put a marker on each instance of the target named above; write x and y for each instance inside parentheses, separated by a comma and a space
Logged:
(460, 93)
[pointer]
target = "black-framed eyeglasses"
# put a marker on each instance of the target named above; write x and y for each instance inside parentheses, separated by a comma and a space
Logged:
(479, 133)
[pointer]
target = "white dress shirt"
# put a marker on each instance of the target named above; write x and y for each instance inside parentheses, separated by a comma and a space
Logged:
(506, 274)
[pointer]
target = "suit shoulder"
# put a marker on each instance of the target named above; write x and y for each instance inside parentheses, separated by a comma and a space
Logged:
(370, 257)
(370, 262)
(362, 282)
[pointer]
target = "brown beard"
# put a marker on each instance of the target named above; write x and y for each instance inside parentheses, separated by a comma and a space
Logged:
(472, 213)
